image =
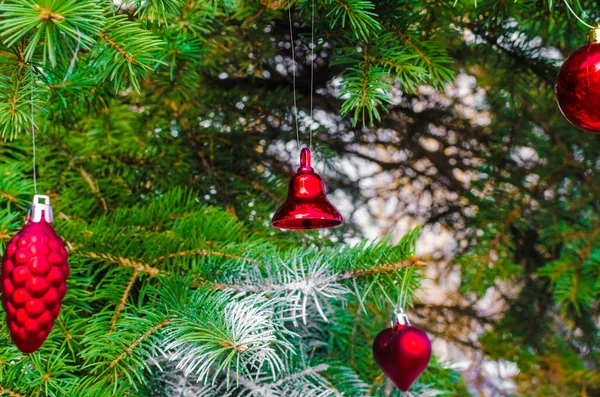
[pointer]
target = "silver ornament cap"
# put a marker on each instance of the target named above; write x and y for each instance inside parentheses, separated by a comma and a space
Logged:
(41, 208)
(400, 318)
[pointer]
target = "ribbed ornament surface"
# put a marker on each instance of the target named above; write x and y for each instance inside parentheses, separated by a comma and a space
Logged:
(34, 274)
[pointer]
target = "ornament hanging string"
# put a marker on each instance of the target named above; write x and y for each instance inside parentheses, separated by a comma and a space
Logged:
(33, 134)
(312, 63)
(294, 73)
(577, 16)
(312, 70)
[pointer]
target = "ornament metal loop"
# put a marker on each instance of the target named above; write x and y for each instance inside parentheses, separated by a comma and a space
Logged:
(305, 160)
(39, 210)
(400, 318)
(593, 36)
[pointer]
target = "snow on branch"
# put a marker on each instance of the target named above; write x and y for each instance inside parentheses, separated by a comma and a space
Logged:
(305, 382)
(314, 281)
(217, 332)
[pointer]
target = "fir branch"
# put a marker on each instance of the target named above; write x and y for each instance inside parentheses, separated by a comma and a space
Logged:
(62, 326)
(17, 93)
(57, 24)
(365, 90)
(150, 269)
(123, 300)
(306, 371)
(9, 197)
(307, 381)
(139, 340)
(10, 393)
(203, 252)
(133, 52)
(359, 15)
(93, 187)
(347, 275)
(45, 378)
(213, 332)
(431, 57)
(390, 268)
(117, 47)
(106, 257)
(157, 9)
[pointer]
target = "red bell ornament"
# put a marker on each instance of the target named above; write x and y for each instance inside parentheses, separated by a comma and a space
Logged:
(578, 85)
(34, 274)
(306, 206)
(402, 351)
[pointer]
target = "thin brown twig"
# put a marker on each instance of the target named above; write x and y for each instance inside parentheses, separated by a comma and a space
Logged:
(411, 44)
(9, 197)
(139, 340)
(46, 14)
(10, 393)
(412, 262)
(62, 326)
(202, 252)
(112, 43)
(254, 17)
(93, 186)
(149, 268)
(138, 266)
(123, 301)
(43, 382)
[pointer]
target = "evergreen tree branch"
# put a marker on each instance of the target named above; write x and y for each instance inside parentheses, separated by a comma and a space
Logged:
(10, 393)
(130, 58)
(57, 24)
(139, 340)
(306, 371)
(367, 88)
(93, 187)
(137, 51)
(123, 301)
(110, 258)
(359, 15)
(347, 275)
(434, 59)
(204, 252)
(390, 268)
(157, 9)
(62, 326)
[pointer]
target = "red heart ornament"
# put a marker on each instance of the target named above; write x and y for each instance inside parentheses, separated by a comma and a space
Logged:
(402, 353)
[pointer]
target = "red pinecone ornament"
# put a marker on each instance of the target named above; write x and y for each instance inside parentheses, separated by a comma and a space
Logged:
(34, 275)
(578, 85)
(402, 352)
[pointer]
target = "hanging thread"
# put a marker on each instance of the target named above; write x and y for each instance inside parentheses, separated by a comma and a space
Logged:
(294, 72)
(33, 135)
(312, 69)
(577, 16)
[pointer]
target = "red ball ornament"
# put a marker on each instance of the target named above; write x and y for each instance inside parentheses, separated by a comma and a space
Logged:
(34, 274)
(578, 85)
(402, 352)
(306, 206)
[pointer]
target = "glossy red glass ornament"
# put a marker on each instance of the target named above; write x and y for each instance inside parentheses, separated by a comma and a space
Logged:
(306, 206)
(578, 86)
(34, 274)
(402, 352)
